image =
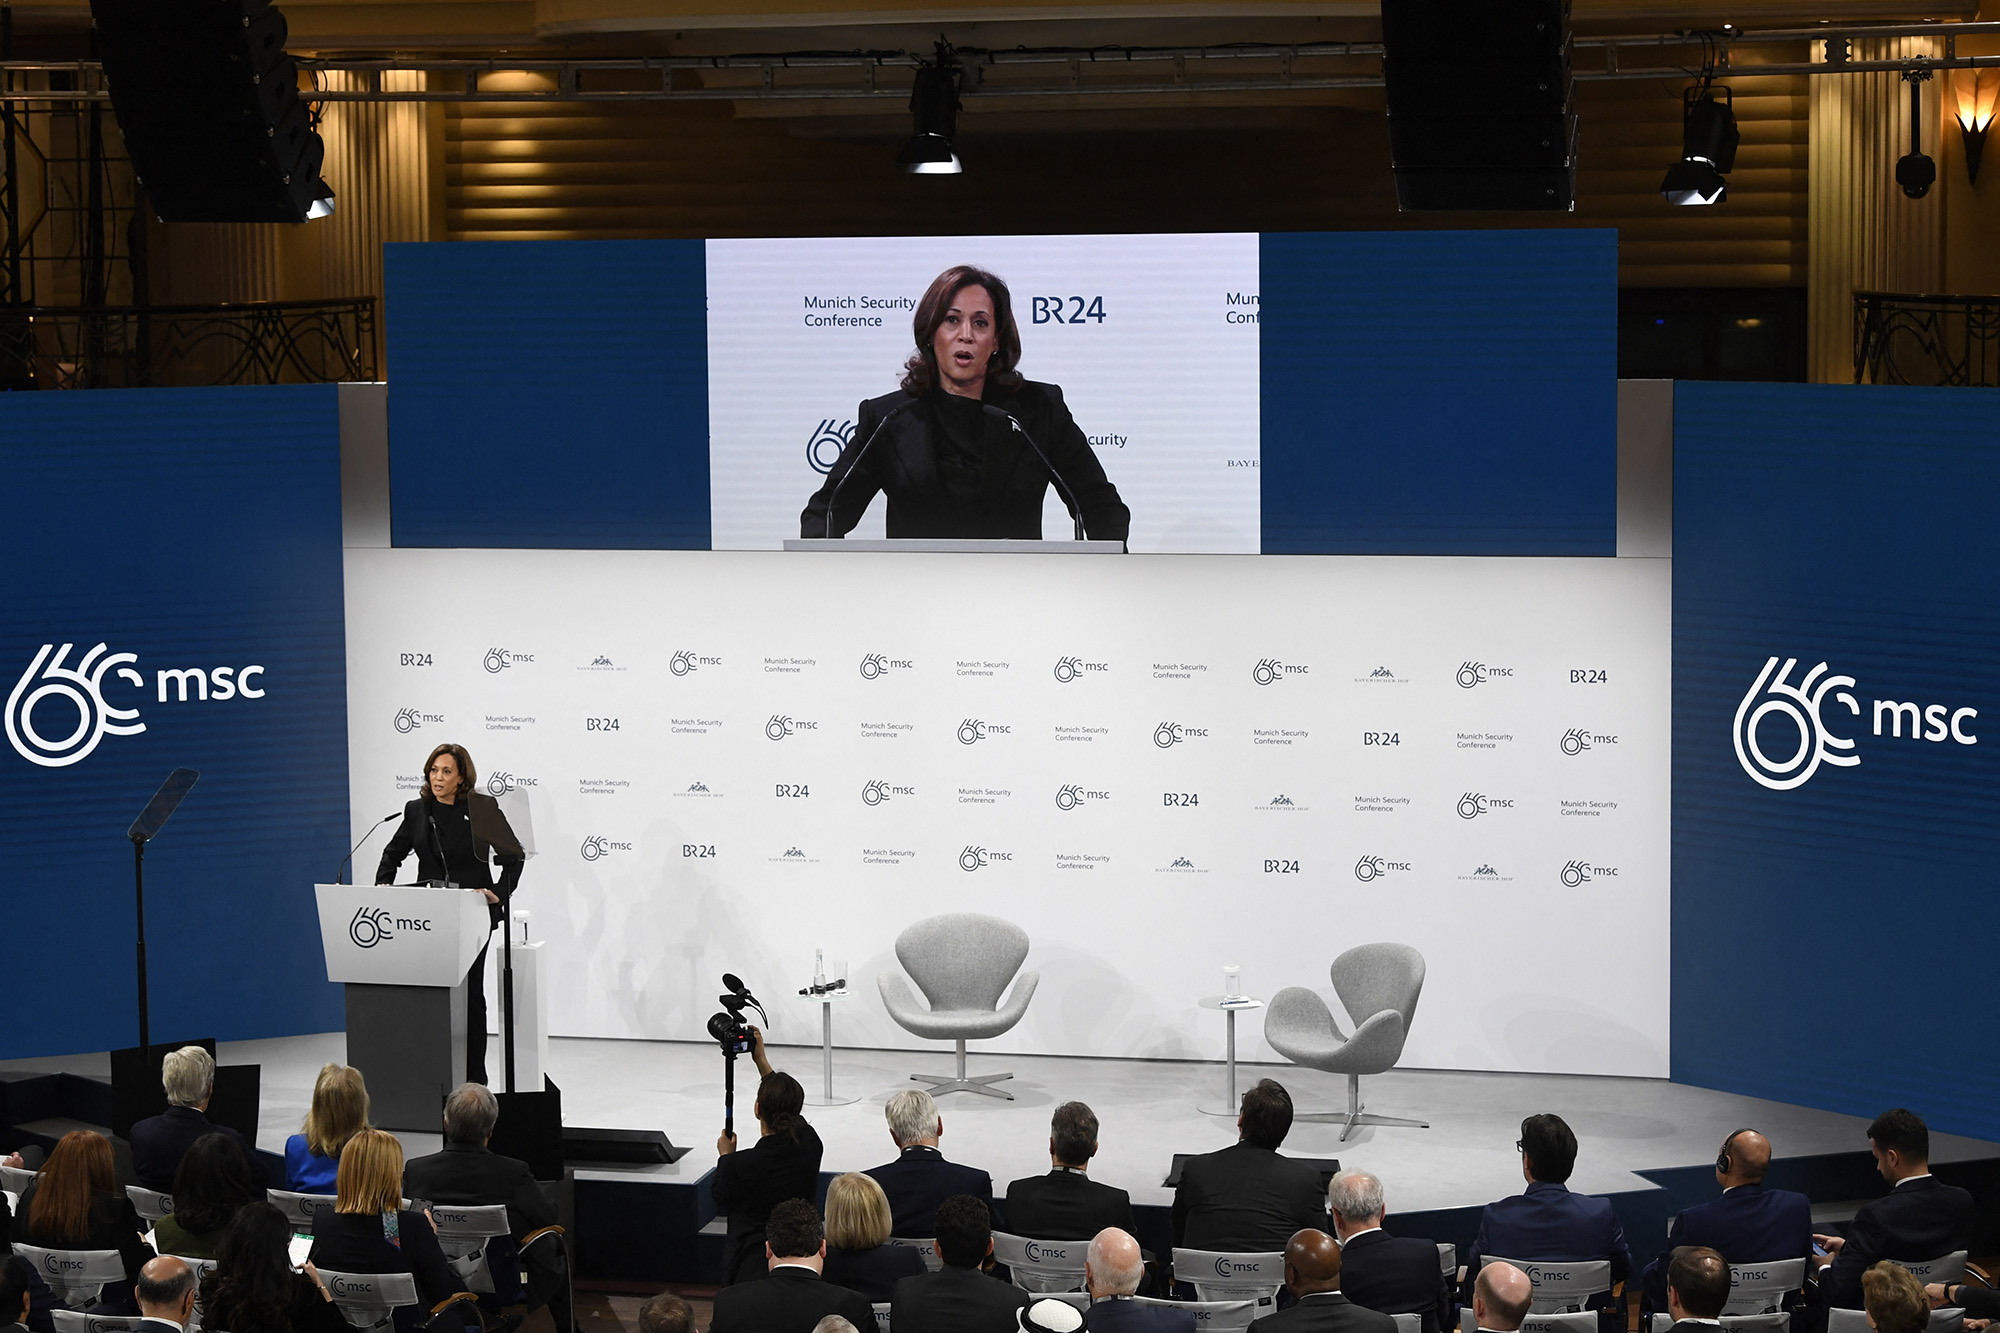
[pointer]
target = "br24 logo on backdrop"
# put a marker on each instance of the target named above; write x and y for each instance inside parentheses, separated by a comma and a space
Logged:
(1803, 706)
(81, 688)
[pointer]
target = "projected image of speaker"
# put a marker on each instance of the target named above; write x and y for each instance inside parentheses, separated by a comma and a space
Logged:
(209, 105)
(1481, 107)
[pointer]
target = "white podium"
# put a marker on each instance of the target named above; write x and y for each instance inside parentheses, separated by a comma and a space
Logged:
(403, 953)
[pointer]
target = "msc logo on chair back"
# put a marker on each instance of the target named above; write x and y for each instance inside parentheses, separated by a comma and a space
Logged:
(81, 688)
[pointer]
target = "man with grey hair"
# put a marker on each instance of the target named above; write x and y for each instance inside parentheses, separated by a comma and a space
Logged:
(1112, 1269)
(468, 1172)
(1066, 1204)
(159, 1142)
(1378, 1271)
(920, 1178)
(833, 1323)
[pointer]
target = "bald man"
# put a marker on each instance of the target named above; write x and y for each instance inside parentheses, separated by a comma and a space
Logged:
(1112, 1268)
(1501, 1297)
(1749, 1224)
(1312, 1273)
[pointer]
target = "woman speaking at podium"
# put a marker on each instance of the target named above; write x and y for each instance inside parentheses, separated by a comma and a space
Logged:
(455, 832)
(967, 448)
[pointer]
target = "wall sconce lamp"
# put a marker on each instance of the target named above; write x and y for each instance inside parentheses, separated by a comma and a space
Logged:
(1974, 90)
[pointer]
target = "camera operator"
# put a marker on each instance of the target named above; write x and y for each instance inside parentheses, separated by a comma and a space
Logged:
(782, 1164)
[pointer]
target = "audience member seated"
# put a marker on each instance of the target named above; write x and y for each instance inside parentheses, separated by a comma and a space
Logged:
(1391, 1274)
(339, 1111)
(188, 1075)
(1697, 1288)
(367, 1233)
(1545, 1221)
(782, 1164)
(1894, 1301)
(858, 1255)
(920, 1178)
(468, 1172)
(74, 1204)
(665, 1313)
(833, 1323)
(1919, 1218)
(1066, 1204)
(1247, 1199)
(1981, 1304)
(215, 1179)
(254, 1287)
(1047, 1315)
(1748, 1224)
(1112, 1269)
(1312, 1275)
(794, 1296)
(165, 1293)
(958, 1298)
(1501, 1298)
(17, 1281)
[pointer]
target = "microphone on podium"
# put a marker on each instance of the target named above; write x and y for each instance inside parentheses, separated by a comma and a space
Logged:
(861, 453)
(1062, 487)
(346, 860)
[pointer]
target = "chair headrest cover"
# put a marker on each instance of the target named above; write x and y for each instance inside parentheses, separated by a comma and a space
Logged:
(1049, 1317)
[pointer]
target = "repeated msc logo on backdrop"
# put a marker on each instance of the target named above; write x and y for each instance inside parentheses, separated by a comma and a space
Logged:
(974, 730)
(596, 847)
(501, 659)
(1471, 674)
(1575, 873)
(1071, 669)
(81, 688)
(1270, 670)
(823, 446)
(877, 665)
(1473, 804)
(1580, 740)
(782, 727)
(1802, 705)
(978, 858)
(875, 791)
(1169, 734)
(1370, 868)
(499, 784)
(1071, 795)
(686, 661)
(408, 720)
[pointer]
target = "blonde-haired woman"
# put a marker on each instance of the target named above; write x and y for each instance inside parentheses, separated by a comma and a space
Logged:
(858, 1254)
(370, 1232)
(339, 1111)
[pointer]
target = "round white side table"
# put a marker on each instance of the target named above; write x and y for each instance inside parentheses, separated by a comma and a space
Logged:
(1230, 1007)
(826, 1001)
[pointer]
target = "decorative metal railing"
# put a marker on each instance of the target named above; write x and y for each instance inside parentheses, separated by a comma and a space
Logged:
(122, 347)
(1906, 338)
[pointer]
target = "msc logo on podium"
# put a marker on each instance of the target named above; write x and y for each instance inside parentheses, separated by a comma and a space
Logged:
(370, 927)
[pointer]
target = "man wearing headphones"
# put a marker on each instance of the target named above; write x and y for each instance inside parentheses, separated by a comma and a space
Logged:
(1747, 1225)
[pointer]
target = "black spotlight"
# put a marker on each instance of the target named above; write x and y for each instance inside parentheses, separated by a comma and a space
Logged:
(932, 149)
(1708, 148)
(1915, 172)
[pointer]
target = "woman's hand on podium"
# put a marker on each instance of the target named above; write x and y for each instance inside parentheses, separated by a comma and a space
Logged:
(489, 895)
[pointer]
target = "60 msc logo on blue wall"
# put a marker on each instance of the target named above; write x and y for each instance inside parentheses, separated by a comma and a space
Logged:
(54, 690)
(1803, 705)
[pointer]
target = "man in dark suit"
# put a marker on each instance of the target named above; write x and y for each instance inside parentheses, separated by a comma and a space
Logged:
(793, 1297)
(958, 1298)
(159, 1142)
(1697, 1289)
(17, 1284)
(165, 1292)
(1919, 1218)
(468, 1172)
(1546, 1222)
(1501, 1297)
(920, 1178)
(1747, 1225)
(1066, 1204)
(1312, 1273)
(1392, 1274)
(1111, 1271)
(1246, 1199)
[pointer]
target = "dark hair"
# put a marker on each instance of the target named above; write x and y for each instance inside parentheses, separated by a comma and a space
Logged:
(213, 1181)
(666, 1313)
(1550, 1147)
(163, 1290)
(252, 1284)
(17, 1279)
(964, 1228)
(779, 1101)
(920, 372)
(1267, 1114)
(1903, 1131)
(1073, 1134)
(794, 1230)
(1700, 1279)
(468, 776)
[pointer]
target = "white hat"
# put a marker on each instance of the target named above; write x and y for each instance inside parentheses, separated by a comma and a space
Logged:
(1049, 1317)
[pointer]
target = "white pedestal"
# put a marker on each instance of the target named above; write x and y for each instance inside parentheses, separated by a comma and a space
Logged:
(1230, 1006)
(826, 1097)
(531, 1018)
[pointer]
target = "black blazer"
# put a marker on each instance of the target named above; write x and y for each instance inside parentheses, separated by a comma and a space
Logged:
(114, 1225)
(1116, 1316)
(903, 463)
(471, 1174)
(159, 1142)
(1917, 1219)
(306, 1312)
(354, 1243)
(790, 1300)
(750, 1182)
(1326, 1312)
(1246, 1200)
(874, 1273)
(1748, 1224)
(955, 1300)
(919, 1180)
(1396, 1275)
(1063, 1205)
(491, 835)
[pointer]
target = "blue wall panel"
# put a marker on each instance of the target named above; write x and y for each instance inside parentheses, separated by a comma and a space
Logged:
(1827, 936)
(1440, 393)
(548, 394)
(192, 528)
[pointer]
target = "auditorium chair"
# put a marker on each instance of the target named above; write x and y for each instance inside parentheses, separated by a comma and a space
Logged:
(1856, 1321)
(925, 1247)
(1041, 1266)
(1379, 985)
(1770, 1321)
(1561, 1288)
(75, 1277)
(1215, 1316)
(300, 1209)
(201, 1268)
(372, 1300)
(152, 1205)
(76, 1321)
(1944, 1268)
(961, 962)
(1221, 1277)
(1762, 1288)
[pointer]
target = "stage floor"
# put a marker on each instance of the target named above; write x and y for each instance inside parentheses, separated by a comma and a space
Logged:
(1148, 1111)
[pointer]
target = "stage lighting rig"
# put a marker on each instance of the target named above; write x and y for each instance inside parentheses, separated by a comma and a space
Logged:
(1708, 140)
(932, 148)
(1915, 171)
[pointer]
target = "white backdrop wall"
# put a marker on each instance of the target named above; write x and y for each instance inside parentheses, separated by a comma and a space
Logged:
(1157, 765)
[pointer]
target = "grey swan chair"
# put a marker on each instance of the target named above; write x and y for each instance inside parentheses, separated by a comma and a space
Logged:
(961, 962)
(1379, 985)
